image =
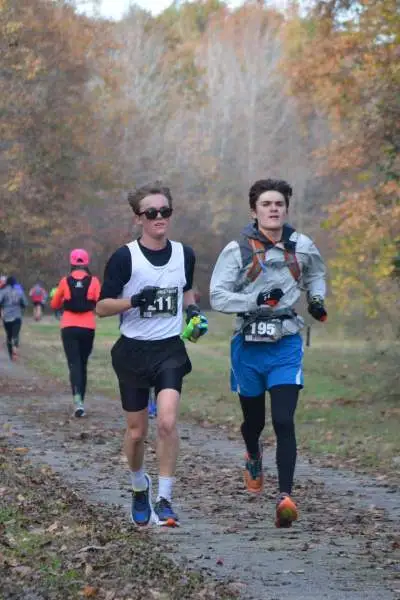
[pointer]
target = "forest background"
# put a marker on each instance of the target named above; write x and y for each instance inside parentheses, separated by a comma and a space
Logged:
(207, 99)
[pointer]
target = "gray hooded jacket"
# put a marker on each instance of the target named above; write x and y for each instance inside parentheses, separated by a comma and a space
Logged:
(232, 292)
(12, 303)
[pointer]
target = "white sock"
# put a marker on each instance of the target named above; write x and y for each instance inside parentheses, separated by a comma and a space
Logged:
(138, 480)
(165, 488)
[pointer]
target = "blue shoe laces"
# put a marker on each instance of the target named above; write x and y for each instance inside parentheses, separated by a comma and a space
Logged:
(140, 500)
(165, 509)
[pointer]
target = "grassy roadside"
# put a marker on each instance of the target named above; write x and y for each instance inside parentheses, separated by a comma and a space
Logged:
(54, 545)
(342, 417)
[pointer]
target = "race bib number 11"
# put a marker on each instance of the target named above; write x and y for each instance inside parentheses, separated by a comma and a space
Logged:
(165, 304)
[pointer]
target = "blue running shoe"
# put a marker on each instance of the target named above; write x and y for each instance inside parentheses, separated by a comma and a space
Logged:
(152, 406)
(164, 515)
(141, 505)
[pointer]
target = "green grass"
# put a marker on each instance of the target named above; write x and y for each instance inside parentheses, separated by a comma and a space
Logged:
(35, 547)
(342, 411)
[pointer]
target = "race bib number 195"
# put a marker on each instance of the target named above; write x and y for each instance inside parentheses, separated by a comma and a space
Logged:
(165, 304)
(262, 330)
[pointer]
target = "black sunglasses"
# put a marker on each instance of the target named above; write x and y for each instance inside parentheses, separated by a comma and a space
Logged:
(152, 213)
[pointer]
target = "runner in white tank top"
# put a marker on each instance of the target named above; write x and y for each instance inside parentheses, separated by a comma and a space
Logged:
(148, 282)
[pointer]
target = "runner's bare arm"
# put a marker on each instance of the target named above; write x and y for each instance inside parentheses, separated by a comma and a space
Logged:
(112, 306)
(189, 298)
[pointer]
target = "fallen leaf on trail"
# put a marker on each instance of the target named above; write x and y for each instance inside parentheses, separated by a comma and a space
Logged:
(46, 470)
(89, 591)
(157, 595)
(22, 570)
(91, 549)
(21, 450)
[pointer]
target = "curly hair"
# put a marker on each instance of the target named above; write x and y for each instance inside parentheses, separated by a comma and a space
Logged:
(266, 185)
(136, 196)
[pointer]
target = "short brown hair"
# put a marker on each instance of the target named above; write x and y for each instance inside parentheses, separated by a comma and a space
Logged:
(266, 185)
(136, 196)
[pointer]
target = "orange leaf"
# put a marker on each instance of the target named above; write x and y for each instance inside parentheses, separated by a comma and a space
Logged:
(89, 591)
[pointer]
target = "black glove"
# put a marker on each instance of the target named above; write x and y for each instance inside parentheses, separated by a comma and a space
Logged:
(145, 297)
(316, 308)
(192, 311)
(270, 298)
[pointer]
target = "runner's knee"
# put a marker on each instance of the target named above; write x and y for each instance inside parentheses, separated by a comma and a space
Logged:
(283, 424)
(137, 426)
(166, 426)
(137, 432)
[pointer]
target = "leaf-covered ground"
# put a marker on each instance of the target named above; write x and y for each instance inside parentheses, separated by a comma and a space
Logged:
(65, 499)
(54, 544)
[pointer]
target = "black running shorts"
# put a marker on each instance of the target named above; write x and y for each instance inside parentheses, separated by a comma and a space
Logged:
(141, 365)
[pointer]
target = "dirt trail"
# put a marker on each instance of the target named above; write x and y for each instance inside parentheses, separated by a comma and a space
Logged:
(346, 544)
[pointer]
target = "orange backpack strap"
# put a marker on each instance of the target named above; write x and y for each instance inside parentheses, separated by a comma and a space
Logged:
(258, 258)
(293, 264)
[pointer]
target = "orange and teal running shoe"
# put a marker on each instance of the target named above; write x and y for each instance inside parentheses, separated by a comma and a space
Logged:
(253, 473)
(286, 511)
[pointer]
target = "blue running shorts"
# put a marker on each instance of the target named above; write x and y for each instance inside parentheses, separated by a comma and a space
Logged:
(256, 367)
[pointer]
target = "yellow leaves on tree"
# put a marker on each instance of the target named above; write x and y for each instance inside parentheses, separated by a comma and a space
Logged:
(342, 59)
(367, 224)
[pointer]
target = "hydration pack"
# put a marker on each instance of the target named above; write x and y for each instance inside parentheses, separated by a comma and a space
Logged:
(78, 301)
(258, 257)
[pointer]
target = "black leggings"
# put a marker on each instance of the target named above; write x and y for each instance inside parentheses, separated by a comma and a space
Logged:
(12, 329)
(78, 344)
(283, 405)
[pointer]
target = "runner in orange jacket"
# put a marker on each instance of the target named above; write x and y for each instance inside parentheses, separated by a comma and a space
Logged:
(77, 294)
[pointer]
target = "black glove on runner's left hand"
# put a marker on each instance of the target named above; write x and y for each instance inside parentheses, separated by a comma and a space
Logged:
(316, 309)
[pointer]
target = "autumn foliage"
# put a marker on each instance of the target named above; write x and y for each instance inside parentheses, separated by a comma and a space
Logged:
(48, 162)
(207, 99)
(343, 60)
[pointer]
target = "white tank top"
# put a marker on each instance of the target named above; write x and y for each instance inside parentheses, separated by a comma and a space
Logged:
(164, 318)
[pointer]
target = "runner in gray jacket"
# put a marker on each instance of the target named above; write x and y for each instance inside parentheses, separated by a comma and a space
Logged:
(260, 278)
(12, 303)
